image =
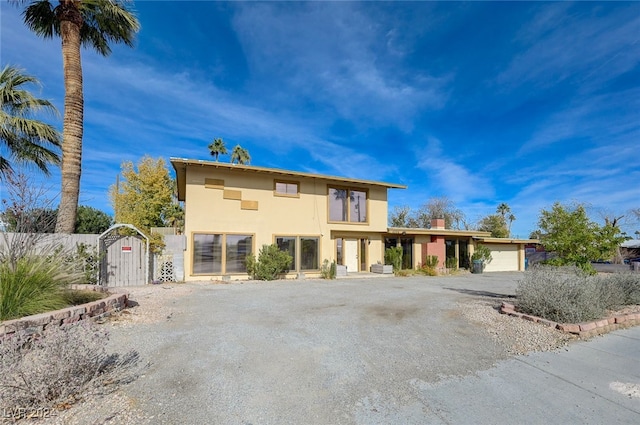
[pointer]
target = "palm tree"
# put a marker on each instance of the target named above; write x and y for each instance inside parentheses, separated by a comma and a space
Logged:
(240, 155)
(217, 148)
(24, 139)
(92, 23)
(503, 209)
(511, 219)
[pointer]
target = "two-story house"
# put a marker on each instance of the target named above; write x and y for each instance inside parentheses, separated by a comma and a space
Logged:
(233, 210)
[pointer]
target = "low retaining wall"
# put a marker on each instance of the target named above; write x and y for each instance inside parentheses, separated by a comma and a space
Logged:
(585, 329)
(93, 310)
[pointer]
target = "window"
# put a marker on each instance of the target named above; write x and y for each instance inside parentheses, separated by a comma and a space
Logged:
(238, 246)
(348, 205)
(305, 251)
(287, 188)
(309, 253)
(208, 255)
(288, 244)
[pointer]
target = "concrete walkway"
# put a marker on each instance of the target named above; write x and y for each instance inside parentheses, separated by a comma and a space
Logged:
(594, 382)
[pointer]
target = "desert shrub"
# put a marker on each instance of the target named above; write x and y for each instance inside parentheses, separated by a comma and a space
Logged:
(566, 294)
(627, 286)
(560, 262)
(60, 366)
(328, 270)
(482, 253)
(429, 267)
(77, 297)
(34, 284)
(452, 263)
(393, 256)
(271, 263)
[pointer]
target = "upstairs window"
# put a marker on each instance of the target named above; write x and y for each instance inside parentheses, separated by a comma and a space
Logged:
(284, 188)
(347, 205)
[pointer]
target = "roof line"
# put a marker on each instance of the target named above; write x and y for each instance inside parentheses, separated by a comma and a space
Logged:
(227, 166)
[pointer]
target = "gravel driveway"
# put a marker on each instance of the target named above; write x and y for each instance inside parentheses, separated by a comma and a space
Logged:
(312, 351)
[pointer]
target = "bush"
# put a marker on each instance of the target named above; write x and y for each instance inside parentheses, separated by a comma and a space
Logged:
(452, 263)
(393, 256)
(571, 295)
(482, 253)
(34, 284)
(429, 267)
(61, 366)
(271, 263)
(328, 270)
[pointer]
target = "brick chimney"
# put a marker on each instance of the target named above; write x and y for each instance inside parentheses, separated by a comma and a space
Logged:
(437, 223)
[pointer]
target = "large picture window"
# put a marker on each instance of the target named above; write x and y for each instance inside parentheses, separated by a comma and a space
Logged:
(309, 248)
(208, 253)
(347, 205)
(288, 244)
(305, 251)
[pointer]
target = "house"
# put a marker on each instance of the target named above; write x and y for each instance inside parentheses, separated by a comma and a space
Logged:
(508, 254)
(233, 210)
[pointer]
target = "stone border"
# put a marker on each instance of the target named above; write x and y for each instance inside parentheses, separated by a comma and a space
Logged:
(584, 329)
(93, 310)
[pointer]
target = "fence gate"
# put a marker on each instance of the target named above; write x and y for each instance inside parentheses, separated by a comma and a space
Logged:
(124, 259)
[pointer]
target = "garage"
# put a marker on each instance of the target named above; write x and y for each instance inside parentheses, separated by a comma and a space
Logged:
(505, 257)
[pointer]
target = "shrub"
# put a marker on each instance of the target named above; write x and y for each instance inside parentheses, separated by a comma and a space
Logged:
(482, 253)
(271, 263)
(452, 263)
(34, 284)
(63, 365)
(393, 256)
(429, 267)
(570, 295)
(627, 286)
(328, 270)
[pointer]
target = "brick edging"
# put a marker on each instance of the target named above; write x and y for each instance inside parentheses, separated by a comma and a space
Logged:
(584, 329)
(93, 310)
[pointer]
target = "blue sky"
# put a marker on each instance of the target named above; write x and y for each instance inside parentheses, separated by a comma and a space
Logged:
(523, 103)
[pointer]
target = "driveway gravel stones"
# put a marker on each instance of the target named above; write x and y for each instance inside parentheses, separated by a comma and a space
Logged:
(312, 351)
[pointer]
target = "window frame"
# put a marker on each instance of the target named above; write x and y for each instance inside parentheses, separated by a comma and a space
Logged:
(349, 189)
(287, 183)
(297, 261)
(223, 258)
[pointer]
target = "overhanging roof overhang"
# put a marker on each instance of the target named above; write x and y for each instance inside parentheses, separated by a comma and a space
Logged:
(438, 232)
(180, 166)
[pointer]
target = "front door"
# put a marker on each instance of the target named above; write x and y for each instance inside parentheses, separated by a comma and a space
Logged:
(351, 255)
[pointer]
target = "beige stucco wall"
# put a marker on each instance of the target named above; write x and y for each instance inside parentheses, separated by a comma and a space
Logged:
(207, 211)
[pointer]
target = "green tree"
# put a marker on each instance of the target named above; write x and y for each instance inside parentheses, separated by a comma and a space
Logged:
(217, 148)
(496, 224)
(90, 23)
(511, 219)
(144, 196)
(239, 155)
(568, 231)
(22, 138)
(90, 220)
(503, 209)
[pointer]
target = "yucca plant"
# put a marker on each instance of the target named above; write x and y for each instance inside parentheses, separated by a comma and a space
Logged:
(34, 284)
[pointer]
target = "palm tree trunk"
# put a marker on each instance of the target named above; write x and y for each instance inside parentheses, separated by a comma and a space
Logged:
(72, 125)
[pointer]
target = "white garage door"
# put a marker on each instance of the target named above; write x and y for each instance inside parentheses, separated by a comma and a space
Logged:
(505, 258)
